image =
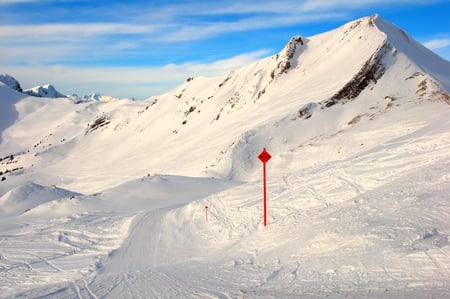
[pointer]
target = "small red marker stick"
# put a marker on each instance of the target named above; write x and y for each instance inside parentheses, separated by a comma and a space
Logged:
(206, 213)
(264, 156)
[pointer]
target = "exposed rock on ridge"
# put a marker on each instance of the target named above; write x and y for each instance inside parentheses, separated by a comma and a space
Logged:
(11, 82)
(370, 72)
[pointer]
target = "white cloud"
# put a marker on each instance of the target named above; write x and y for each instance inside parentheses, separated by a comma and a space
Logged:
(67, 31)
(174, 25)
(436, 44)
(184, 22)
(271, 7)
(38, 53)
(338, 5)
(439, 45)
(26, 49)
(14, 1)
(222, 66)
(204, 31)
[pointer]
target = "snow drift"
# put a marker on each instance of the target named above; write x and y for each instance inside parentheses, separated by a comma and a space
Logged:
(24, 198)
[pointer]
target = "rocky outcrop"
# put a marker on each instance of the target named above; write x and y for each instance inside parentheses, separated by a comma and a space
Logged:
(370, 73)
(285, 56)
(11, 82)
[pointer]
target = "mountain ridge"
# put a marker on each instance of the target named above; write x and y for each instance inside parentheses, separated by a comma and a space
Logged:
(301, 82)
(45, 91)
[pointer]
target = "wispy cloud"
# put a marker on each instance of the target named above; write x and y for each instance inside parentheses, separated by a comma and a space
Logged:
(165, 42)
(14, 1)
(67, 31)
(436, 44)
(439, 45)
(190, 21)
(222, 66)
(144, 30)
(208, 30)
(139, 82)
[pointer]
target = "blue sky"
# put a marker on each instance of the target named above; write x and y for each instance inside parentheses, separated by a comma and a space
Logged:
(144, 48)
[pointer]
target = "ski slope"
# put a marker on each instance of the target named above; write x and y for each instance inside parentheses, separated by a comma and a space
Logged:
(107, 199)
(374, 225)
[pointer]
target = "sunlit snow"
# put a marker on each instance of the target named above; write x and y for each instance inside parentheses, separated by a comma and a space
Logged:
(107, 199)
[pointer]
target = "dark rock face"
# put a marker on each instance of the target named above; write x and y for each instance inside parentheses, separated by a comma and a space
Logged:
(11, 82)
(370, 72)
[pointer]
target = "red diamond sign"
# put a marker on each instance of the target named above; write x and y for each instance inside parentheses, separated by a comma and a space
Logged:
(264, 156)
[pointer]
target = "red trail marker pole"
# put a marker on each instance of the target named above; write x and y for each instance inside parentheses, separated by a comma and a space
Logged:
(206, 213)
(264, 156)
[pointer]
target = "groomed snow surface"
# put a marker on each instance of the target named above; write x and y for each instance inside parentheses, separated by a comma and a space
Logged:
(107, 200)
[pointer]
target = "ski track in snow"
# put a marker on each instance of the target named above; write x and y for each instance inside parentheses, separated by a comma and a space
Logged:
(372, 243)
(55, 249)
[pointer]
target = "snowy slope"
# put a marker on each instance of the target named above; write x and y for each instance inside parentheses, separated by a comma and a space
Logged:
(21, 200)
(357, 121)
(9, 98)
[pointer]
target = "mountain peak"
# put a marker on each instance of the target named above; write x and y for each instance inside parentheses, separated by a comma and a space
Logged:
(404, 44)
(45, 91)
(94, 97)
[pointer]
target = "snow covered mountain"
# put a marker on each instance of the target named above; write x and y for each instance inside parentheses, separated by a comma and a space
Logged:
(357, 121)
(92, 97)
(46, 91)
(49, 91)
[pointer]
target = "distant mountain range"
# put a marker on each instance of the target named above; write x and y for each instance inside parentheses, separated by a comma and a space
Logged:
(49, 91)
